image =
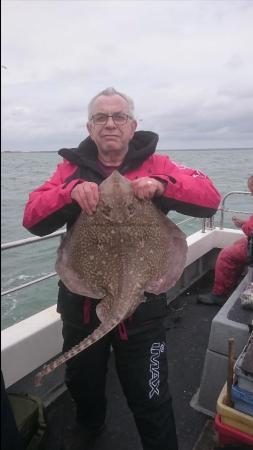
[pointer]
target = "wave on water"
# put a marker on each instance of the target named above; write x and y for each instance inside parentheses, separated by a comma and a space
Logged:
(8, 306)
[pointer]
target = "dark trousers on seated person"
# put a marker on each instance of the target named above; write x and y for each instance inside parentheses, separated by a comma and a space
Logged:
(141, 364)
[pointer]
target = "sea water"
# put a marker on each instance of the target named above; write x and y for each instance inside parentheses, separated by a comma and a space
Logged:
(23, 172)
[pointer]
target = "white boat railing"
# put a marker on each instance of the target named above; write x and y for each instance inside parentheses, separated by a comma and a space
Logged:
(31, 240)
(223, 210)
(207, 224)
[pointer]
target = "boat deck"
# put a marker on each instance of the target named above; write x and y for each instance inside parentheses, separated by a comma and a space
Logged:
(188, 325)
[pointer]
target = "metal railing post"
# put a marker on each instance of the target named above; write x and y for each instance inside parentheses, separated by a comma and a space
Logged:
(203, 229)
(223, 210)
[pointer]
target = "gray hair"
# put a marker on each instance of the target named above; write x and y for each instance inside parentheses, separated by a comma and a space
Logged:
(111, 91)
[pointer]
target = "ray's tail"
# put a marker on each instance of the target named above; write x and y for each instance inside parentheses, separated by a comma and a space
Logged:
(97, 334)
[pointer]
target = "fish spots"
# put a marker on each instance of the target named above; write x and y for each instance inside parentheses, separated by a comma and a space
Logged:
(119, 258)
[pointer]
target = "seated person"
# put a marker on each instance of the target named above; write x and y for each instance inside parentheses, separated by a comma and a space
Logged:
(230, 263)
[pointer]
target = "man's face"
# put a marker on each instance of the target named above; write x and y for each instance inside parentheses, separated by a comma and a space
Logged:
(110, 137)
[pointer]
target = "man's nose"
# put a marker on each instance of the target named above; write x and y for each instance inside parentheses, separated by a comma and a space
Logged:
(110, 123)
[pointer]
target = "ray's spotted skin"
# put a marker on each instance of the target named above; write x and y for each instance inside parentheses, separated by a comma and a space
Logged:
(127, 247)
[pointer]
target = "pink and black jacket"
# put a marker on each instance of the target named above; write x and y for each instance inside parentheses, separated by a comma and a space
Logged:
(247, 227)
(188, 191)
(50, 206)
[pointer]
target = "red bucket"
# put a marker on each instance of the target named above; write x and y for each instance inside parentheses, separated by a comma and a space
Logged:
(228, 435)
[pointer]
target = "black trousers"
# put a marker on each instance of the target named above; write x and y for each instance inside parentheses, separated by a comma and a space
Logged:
(141, 364)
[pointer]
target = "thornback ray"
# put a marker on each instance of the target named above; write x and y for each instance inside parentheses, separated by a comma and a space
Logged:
(127, 247)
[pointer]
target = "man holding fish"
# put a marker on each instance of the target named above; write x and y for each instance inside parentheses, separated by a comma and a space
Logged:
(139, 342)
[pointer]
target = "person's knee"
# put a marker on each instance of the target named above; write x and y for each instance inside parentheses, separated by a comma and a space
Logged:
(153, 400)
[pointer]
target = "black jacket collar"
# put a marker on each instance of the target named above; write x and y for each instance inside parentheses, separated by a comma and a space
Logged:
(140, 148)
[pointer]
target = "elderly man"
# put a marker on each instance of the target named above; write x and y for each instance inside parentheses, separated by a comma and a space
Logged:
(113, 143)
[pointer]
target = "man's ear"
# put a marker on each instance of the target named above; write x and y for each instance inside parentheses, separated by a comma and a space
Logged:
(133, 126)
(89, 128)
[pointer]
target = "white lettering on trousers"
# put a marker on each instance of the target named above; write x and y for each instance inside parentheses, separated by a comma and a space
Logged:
(156, 349)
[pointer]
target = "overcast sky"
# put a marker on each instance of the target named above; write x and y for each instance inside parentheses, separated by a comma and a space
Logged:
(188, 65)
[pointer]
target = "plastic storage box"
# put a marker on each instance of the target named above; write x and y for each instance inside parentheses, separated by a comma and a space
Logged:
(233, 417)
(243, 400)
(228, 435)
(244, 367)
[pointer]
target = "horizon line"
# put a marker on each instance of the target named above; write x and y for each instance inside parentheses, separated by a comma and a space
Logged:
(159, 149)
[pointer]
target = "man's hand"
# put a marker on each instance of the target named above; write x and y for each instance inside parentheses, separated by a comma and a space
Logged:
(238, 222)
(147, 188)
(86, 195)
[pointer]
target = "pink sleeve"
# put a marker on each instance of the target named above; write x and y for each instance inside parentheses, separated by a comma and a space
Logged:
(51, 196)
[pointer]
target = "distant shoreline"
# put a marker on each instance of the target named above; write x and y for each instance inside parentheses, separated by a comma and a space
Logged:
(29, 151)
(158, 150)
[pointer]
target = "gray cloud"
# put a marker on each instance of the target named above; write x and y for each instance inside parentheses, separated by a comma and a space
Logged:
(188, 66)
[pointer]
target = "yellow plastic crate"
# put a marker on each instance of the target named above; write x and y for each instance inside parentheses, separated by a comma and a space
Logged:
(233, 417)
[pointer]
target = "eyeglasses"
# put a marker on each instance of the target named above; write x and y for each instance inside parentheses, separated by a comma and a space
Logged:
(118, 118)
